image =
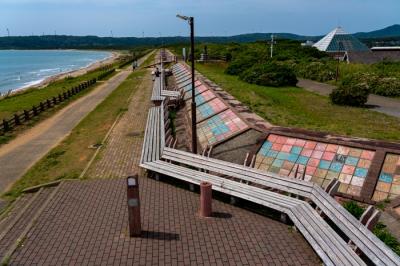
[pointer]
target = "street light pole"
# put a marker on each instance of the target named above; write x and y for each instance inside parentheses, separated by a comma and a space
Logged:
(193, 103)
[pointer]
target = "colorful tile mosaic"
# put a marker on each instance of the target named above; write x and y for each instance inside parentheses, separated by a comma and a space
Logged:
(388, 186)
(197, 90)
(210, 108)
(187, 86)
(219, 127)
(182, 79)
(202, 98)
(320, 161)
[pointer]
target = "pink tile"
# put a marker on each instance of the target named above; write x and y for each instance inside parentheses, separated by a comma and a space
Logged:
(348, 169)
(328, 156)
(343, 150)
(300, 142)
(277, 147)
(281, 140)
(313, 162)
(332, 148)
(291, 141)
(321, 146)
(310, 144)
(306, 152)
(287, 148)
(272, 137)
(317, 154)
(369, 155)
(310, 170)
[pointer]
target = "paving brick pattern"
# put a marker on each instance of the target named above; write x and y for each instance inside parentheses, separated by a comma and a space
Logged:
(121, 154)
(86, 224)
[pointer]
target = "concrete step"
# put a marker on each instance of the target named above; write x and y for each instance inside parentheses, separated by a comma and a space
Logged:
(18, 221)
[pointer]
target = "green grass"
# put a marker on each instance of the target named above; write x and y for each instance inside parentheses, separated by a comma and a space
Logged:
(26, 99)
(30, 97)
(70, 157)
(296, 107)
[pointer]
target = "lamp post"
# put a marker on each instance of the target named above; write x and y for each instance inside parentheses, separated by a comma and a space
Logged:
(193, 105)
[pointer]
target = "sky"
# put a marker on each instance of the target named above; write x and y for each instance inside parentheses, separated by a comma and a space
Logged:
(123, 18)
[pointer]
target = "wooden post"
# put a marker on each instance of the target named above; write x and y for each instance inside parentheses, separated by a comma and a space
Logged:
(41, 107)
(133, 206)
(205, 199)
(35, 112)
(26, 114)
(16, 119)
(6, 126)
(48, 103)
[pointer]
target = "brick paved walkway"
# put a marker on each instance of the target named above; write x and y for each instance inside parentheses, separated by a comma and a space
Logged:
(121, 154)
(86, 224)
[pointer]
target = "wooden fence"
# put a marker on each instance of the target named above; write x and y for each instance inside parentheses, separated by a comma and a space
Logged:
(19, 118)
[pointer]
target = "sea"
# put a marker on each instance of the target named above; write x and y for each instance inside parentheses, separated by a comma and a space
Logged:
(24, 68)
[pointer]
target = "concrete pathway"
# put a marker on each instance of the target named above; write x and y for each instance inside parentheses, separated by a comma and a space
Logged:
(121, 153)
(28, 148)
(380, 104)
(20, 154)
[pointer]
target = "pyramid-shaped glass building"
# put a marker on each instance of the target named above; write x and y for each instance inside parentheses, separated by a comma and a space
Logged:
(340, 41)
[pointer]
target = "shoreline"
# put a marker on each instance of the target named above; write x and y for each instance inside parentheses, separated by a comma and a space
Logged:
(72, 73)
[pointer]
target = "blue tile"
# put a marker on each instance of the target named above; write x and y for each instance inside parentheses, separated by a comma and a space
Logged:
(361, 172)
(303, 160)
(277, 163)
(352, 161)
(385, 177)
(293, 157)
(296, 150)
(283, 155)
(323, 164)
(272, 153)
(267, 144)
(336, 167)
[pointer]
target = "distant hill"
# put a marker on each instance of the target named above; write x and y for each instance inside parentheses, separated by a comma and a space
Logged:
(391, 33)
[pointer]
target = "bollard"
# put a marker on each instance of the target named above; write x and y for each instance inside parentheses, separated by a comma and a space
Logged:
(133, 206)
(205, 199)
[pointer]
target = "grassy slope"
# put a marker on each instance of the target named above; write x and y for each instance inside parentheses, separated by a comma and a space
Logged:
(296, 107)
(70, 157)
(31, 97)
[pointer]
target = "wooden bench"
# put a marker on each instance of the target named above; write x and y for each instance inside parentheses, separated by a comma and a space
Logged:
(329, 246)
(364, 239)
(152, 143)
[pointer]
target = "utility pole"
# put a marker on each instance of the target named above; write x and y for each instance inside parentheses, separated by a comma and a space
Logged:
(112, 35)
(193, 103)
(272, 45)
(8, 32)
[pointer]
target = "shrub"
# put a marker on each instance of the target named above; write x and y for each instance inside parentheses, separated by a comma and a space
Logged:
(240, 64)
(353, 208)
(270, 74)
(350, 93)
(319, 71)
(383, 234)
(387, 87)
(379, 230)
(381, 85)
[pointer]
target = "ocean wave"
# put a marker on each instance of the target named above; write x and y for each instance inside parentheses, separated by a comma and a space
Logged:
(49, 69)
(31, 83)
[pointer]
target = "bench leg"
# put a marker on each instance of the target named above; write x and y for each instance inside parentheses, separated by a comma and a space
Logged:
(233, 200)
(284, 218)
